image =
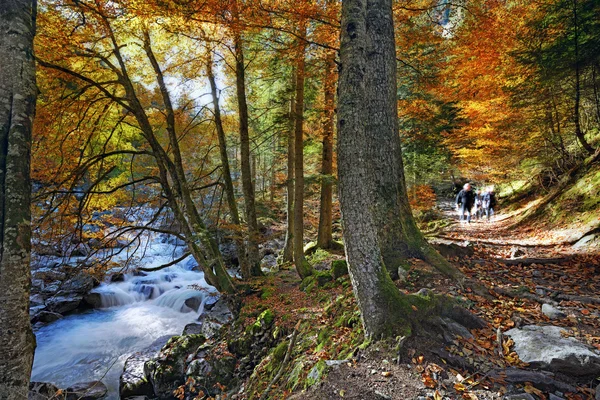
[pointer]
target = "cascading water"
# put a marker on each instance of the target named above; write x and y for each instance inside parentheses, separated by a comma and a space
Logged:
(135, 312)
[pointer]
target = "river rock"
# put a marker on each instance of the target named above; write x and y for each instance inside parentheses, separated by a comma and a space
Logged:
(194, 302)
(192, 329)
(87, 391)
(167, 371)
(544, 347)
(93, 300)
(552, 312)
(48, 289)
(63, 304)
(42, 391)
(133, 381)
(81, 283)
(214, 319)
(49, 274)
(47, 317)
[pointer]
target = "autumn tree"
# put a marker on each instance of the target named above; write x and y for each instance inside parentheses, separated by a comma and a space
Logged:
(17, 107)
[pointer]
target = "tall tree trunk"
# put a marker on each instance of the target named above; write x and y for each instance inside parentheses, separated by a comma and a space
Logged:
(399, 236)
(375, 292)
(17, 107)
(246, 168)
(302, 267)
(229, 190)
(288, 248)
(324, 237)
(578, 132)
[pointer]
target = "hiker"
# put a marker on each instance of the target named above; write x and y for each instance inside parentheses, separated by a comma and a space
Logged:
(479, 204)
(465, 199)
(489, 202)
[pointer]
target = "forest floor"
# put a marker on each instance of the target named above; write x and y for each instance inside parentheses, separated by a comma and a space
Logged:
(522, 268)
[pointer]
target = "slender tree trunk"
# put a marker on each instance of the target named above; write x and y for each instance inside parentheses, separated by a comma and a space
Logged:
(578, 132)
(228, 183)
(274, 149)
(246, 168)
(302, 267)
(324, 237)
(375, 292)
(17, 107)
(288, 248)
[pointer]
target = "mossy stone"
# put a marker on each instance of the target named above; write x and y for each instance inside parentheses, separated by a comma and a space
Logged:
(339, 268)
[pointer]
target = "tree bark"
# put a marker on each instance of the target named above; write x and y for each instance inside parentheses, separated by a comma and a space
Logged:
(324, 237)
(18, 93)
(578, 132)
(399, 236)
(302, 267)
(375, 292)
(288, 248)
(228, 183)
(246, 167)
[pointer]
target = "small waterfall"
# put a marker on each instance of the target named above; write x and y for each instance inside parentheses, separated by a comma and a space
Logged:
(135, 312)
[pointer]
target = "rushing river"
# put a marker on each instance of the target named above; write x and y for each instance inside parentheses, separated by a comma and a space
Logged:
(94, 345)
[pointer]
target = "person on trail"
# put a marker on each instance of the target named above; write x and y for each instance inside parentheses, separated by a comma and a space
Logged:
(465, 199)
(479, 204)
(489, 202)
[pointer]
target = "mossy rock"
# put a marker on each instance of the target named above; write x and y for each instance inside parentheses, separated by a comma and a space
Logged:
(319, 278)
(167, 371)
(339, 268)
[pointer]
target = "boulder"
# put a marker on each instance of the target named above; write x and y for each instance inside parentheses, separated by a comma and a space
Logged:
(166, 372)
(81, 283)
(46, 317)
(93, 300)
(194, 302)
(543, 380)
(552, 312)
(87, 391)
(36, 300)
(63, 304)
(48, 289)
(544, 347)
(269, 263)
(133, 381)
(49, 274)
(192, 329)
(43, 391)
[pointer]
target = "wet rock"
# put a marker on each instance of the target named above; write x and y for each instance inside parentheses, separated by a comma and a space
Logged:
(48, 275)
(210, 301)
(81, 283)
(80, 250)
(47, 317)
(118, 277)
(87, 391)
(63, 304)
(194, 302)
(42, 391)
(133, 381)
(544, 347)
(34, 311)
(93, 300)
(552, 312)
(49, 289)
(36, 300)
(214, 319)
(192, 329)
(167, 371)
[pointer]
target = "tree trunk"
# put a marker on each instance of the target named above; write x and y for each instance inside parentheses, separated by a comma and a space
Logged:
(399, 236)
(288, 248)
(302, 267)
(228, 183)
(324, 237)
(375, 292)
(578, 132)
(17, 107)
(246, 168)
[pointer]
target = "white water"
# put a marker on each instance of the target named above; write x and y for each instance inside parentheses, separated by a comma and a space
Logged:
(95, 344)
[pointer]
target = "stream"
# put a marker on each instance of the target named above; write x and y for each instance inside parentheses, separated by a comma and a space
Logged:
(94, 345)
